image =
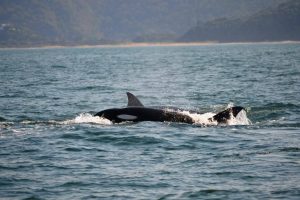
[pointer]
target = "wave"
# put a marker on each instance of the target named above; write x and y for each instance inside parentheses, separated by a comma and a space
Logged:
(58, 66)
(275, 108)
(276, 114)
(2, 119)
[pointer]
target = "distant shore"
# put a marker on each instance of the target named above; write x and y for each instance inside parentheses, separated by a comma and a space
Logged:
(117, 45)
(150, 44)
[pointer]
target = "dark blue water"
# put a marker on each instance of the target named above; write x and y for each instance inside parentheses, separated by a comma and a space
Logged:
(51, 147)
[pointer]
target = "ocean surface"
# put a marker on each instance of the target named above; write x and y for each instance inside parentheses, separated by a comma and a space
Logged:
(52, 147)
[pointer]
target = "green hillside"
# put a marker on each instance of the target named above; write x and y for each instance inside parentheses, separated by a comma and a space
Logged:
(276, 24)
(75, 22)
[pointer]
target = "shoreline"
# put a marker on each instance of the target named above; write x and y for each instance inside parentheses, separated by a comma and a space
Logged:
(150, 44)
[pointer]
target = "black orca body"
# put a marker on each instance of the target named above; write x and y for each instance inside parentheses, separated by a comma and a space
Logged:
(136, 112)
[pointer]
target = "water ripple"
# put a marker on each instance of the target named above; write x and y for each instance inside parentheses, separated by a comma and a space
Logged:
(53, 147)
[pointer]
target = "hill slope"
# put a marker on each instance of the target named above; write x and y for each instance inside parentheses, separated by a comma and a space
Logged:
(73, 22)
(277, 24)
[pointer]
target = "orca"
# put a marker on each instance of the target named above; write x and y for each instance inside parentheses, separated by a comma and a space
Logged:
(137, 112)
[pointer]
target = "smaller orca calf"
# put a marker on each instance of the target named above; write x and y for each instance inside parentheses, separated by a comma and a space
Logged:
(137, 112)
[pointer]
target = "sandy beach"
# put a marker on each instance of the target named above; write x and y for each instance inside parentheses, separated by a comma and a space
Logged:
(150, 44)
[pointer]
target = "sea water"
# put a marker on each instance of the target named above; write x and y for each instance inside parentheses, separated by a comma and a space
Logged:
(52, 147)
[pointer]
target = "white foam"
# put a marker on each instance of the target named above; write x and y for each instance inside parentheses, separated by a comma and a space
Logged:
(87, 118)
(205, 118)
(201, 119)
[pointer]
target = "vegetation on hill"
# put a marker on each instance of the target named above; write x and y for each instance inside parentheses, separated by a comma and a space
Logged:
(76, 22)
(276, 24)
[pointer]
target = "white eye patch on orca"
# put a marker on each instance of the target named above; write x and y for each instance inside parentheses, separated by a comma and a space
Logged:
(127, 117)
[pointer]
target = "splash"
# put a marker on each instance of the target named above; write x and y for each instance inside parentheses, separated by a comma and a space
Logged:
(204, 119)
(240, 119)
(80, 119)
(201, 119)
(87, 118)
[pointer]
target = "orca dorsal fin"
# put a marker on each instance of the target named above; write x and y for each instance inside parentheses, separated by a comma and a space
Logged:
(133, 100)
